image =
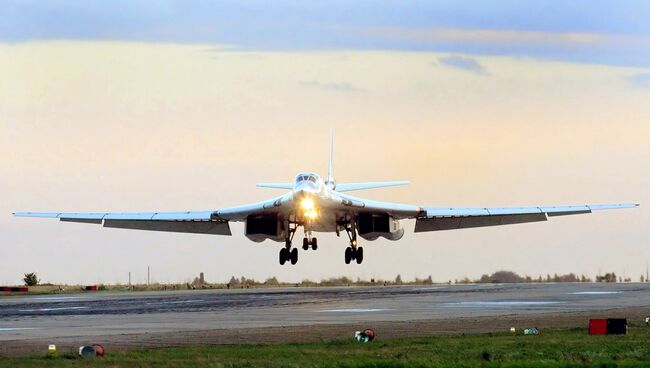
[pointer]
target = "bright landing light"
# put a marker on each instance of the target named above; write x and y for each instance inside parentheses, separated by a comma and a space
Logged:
(307, 204)
(310, 210)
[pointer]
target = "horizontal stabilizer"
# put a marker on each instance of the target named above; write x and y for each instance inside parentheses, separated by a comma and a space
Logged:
(370, 185)
(275, 185)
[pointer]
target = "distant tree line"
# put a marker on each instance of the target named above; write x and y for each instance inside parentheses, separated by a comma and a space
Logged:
(509, 277)
(499, 277)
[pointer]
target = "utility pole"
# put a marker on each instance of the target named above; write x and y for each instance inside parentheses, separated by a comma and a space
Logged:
(148, 275)
(129, 279)
(646, 272)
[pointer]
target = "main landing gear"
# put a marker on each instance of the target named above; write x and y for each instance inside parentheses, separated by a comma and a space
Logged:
(353, 252)
(287, 253)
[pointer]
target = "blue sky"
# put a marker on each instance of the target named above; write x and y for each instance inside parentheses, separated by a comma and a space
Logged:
(607, 32)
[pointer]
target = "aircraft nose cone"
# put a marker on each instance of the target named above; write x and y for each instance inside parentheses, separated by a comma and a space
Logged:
(305, 191)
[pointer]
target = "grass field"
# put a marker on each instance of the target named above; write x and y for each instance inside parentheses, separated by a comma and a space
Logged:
(564, 348)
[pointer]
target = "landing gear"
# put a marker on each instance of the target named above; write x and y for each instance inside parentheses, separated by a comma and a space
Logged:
(294, 256)
(306, 243)
(309, 240)
(353, 252)
(284, 256)
(288, 255)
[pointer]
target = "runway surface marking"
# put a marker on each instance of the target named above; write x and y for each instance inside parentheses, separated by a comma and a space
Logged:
(355, 310)
(17, 328)
(595, 292)
(177, 302)
(52, 309)
(55, 298)
(508, 303)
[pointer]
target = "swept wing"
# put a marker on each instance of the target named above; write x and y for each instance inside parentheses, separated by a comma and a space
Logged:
(201, 222)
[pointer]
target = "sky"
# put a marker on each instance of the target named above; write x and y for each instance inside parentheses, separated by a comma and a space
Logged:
(185, 105)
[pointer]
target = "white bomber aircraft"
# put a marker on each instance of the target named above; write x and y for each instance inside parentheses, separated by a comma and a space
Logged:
(322, 206)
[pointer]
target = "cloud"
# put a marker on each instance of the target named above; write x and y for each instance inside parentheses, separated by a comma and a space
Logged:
(464, 63)
(640, 80)
(331, 86)
(594, 47)
(614, 33)
(499, 36)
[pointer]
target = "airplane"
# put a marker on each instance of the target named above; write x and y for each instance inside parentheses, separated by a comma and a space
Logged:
(322, 205)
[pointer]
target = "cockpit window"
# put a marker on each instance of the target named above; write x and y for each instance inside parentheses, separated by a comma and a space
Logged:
(306, 177)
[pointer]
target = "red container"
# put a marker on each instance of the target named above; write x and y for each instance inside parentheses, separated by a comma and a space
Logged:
(91, 288)
(598, 326)
(14, 289)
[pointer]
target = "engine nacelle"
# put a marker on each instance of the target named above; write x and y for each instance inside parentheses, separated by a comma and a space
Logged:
(371, 227)
(260, 228)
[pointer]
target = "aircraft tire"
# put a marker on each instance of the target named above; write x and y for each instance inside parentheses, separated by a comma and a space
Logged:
(284, 256)
(314, 244)
(359, 255)
(305, 244)
(294, 256)
(348, 255)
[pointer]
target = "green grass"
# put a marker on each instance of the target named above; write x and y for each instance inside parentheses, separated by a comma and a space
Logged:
(564, 348)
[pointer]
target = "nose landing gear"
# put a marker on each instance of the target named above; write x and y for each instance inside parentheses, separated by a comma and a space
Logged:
(309, 241)
(314, 243)
(306, 243)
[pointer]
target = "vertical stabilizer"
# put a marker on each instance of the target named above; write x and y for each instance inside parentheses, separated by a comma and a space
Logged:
(330, 167)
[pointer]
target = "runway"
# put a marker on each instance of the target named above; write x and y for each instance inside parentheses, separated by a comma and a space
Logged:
(93, 315)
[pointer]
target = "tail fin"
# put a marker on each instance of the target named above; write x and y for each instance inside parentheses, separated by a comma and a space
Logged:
(330, 168)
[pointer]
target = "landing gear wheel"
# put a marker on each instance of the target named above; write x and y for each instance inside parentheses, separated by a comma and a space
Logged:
(284, 255)
(305, 244)
(348, 255)
(314, 244)
(294, 256)
(359, 255)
